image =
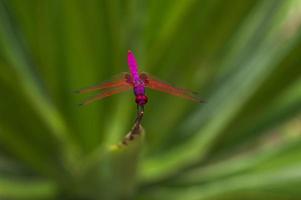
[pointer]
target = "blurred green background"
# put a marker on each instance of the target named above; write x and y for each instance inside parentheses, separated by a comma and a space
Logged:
(242, 57)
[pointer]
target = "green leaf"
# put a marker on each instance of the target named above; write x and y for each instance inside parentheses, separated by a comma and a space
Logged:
(228, 99)
(16, 188)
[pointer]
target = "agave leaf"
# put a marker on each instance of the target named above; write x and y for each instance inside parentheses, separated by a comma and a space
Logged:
(258, 181)
(225, 102)
(281, 109)
(261, 159)
(16, 188)
(114, 170)
(30, 86)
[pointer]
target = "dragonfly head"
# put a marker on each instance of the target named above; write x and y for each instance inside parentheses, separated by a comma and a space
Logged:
(141, 99)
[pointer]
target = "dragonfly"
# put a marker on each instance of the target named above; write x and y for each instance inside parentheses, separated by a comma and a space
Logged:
(138, 82)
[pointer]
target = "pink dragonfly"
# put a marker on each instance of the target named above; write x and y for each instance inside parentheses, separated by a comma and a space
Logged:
(138, 82)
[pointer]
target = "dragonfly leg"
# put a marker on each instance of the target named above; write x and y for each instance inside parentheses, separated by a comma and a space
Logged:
(139, 116)
(140, 109)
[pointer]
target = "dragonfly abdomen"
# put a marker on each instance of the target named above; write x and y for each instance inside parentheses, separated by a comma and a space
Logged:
(133, 66)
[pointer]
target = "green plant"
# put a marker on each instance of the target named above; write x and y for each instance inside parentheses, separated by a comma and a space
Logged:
(242, 56)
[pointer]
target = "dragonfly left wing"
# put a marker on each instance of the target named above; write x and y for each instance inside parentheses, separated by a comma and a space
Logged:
(123, 79)
(105, 94)
(159, 85)
(118, 84)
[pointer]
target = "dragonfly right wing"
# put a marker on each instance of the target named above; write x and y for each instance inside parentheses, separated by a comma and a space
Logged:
(159, 85)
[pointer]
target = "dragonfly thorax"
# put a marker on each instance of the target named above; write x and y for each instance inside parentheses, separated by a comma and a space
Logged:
(139, 90)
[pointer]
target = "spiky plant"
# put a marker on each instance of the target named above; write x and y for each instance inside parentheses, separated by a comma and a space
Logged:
(243, 57)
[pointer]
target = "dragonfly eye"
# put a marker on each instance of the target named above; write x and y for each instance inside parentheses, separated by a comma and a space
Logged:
(141, 99)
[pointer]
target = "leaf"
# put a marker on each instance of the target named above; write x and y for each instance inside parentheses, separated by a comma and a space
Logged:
(225, 102)
(29, 83)
(16, 188)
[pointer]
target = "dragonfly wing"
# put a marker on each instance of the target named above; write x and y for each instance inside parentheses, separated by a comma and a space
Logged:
(159, 85)
(124, 79)
(105, 94)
